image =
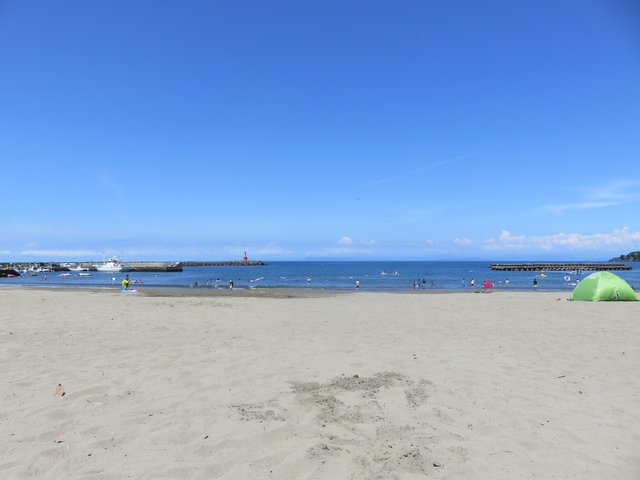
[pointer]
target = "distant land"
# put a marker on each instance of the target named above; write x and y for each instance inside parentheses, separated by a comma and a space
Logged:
(630, 257)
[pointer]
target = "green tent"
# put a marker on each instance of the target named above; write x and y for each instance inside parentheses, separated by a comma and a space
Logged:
(603, 286)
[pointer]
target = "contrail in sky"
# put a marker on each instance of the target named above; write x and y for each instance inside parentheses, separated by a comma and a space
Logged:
(422, 169)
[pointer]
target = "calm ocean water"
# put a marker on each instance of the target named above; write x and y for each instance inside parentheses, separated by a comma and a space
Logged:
(387, 275)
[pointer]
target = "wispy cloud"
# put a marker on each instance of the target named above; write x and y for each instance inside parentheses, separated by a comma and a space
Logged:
(348, 241)
(622, 190)
(602, 196)
(411, 173)
(465, 242)
(112, 186)
(565, 207)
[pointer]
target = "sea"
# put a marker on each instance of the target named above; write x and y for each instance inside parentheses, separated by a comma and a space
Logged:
(331, 275)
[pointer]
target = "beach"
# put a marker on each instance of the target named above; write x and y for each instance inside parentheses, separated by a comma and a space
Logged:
(291, 384)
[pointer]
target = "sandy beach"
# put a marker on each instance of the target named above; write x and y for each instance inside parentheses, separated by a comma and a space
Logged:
(279, 385)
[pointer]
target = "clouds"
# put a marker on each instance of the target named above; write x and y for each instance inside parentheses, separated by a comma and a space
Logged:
(565, 207)
(463, 241)
(619, 240)
(506, 244)
(622, 238)
(350, 241)
(596, 244)
(603, 196)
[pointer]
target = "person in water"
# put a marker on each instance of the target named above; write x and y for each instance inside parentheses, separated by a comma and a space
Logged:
(126, 283)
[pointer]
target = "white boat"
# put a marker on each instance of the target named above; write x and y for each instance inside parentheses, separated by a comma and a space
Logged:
(79, 268)
(84, 274)
(113, 265)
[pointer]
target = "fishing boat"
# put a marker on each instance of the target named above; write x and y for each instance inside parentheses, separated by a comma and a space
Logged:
(78, 268)
(113, 265)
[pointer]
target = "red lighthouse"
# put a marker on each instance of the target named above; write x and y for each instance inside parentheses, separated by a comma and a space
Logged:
(244, 259)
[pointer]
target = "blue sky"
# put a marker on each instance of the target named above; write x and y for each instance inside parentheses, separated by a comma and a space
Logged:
(413, 130)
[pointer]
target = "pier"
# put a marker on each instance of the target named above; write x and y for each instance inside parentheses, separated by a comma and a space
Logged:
(242, 263)
(529, 267)
(153, 266)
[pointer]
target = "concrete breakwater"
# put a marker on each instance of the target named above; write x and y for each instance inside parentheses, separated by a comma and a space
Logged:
(239, 263)
(153, 266)
(565, 267)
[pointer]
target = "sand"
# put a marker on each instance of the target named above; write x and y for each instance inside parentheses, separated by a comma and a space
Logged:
(274, 385)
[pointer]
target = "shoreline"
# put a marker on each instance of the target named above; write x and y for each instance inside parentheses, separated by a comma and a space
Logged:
(268, 292)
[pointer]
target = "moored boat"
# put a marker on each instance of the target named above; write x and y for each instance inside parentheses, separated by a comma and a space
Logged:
(113, 265)
(9, 272)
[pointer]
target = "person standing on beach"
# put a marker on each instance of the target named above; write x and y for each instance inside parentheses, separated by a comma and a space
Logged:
(535, 282)
(126, 283)
(357, 285)
(472, 283)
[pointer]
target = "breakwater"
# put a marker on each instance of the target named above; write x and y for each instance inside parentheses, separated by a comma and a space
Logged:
(239, 263)
(566, 267)
(153, 266)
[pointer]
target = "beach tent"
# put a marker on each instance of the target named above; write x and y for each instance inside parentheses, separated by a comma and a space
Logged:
(603, 286)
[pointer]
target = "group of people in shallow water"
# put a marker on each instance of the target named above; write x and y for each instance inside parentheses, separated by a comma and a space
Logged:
(417, 285)
(422, 284)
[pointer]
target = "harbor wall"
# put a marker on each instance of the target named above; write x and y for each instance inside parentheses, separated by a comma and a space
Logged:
(506, 267)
